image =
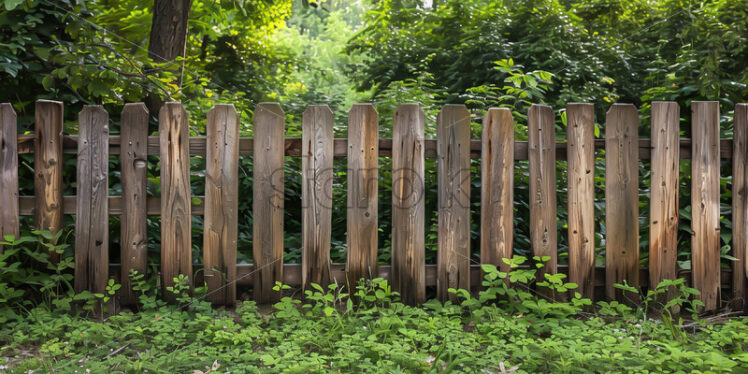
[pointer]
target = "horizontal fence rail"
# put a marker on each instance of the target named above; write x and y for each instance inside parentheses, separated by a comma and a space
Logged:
(292, 147)
(497, 151)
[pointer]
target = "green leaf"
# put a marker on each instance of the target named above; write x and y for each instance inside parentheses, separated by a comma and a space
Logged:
(626, 287)
(268, 359)
(13, 4)
(329, 311)
(488, 268)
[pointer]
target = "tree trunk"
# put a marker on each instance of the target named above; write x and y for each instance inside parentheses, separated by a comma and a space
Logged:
(168, 38)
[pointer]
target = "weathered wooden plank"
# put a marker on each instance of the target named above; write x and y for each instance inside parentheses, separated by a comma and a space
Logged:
(48, 164)
(621, 199)
(9, 212)
(740, 205)
(176, 220)
(453, 260)
(705, 202)
(133, 225)
(221, 227)
(543, 229)
(268, 200)
(92, 216)
(316, 195)
(363, 184)
(292, 147)
(580, 119)
(408, 204)
(663, 206)
(497, 186)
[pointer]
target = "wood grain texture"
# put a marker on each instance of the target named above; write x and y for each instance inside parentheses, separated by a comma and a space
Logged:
(542, 154)
(705, 242)
(176, 220)
(580, 119)
(92, 216)
(48, 164)
(663, 205)
(408, 204)
(740, 206)
(621, 199)
(497, 188)
(268, 201)
(453, 150)
(133, 225)
(221, 227)
(363, 185)
(9, 209)
(316, 195)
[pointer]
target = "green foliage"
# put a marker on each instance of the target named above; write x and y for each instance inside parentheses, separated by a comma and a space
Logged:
(145, 291)
(507, 325)
(505, 328)
(458, 41)
(316, 36)
(85, 52)
(29, 280)
(519, 92)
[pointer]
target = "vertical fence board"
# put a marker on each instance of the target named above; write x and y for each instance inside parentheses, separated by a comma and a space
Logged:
(221, 225)
(740, 205)
(542, 156)
(705, 201)
(176, 220)
(497, 188)
(580, 118)
(453, 156)
(133, 225)
(316, 198)
(91, 212)
(8, 172)
(621, 199)
(48, 164)
(408, 205)
(663, 206)
(363, 184)
(268, 200)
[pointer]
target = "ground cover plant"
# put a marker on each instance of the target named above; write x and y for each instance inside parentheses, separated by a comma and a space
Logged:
(507, 327)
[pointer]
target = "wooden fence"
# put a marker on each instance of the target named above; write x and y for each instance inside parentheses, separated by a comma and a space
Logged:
(408, 272)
